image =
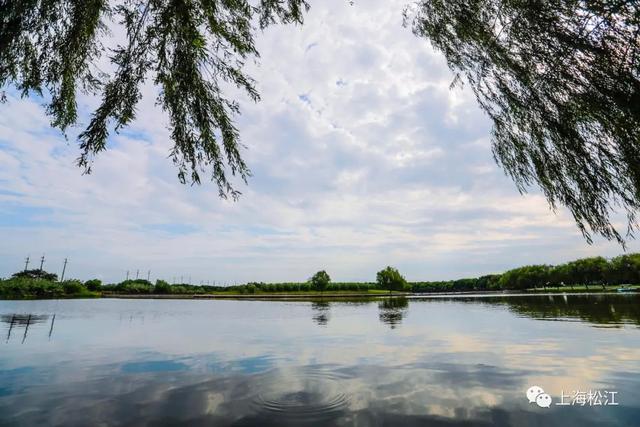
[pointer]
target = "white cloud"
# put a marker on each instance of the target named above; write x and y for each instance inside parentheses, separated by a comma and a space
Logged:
(362, 157)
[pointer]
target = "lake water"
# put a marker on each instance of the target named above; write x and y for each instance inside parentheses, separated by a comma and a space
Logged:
(436, 361)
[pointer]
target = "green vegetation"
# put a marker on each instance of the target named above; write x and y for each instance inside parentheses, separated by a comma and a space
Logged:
(592, 273)
(94, 285)
(323, 284)
(391, 280)
(582, 275)
(320, 281)
(36, 274)
(162, 287)
(25, 288)
(19, 287)
(484, 283)
(586, 274)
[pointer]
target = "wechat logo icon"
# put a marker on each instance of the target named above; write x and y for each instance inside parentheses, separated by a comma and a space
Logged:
(537, 395)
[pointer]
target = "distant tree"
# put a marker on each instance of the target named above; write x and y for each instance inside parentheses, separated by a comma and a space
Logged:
(561, 82)
(162, 287)
(36, 274)
(530, 276)
(391, 280)
(559, 274)
(465, 284)
(179, 289)
(490, 281)
(625, 269)
(93, 285)
(73, 287)
(587, 271)
(137, 286)
(320, 281)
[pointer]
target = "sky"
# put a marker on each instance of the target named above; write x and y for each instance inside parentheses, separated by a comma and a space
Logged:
(361, 154)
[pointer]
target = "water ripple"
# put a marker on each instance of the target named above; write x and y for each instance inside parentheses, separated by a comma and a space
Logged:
(308, 393)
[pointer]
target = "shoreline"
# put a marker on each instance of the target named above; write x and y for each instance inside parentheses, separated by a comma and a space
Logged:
(335, 295)
(488, 294)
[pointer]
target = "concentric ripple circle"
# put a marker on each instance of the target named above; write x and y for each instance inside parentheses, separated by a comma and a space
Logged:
(305, 393)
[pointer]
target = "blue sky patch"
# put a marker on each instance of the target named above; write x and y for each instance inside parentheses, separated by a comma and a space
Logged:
(25, 216)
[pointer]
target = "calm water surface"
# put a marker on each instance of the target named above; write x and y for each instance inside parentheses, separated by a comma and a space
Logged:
(438, 361)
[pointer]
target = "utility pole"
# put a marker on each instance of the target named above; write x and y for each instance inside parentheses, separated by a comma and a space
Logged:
(26, 263)
(127, 274)
(41, 262)
(137, 274)
(148, 275)
(64, 268)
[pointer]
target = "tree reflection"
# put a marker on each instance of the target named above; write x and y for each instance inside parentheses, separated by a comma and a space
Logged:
(393, 310)
(610, 310)
(321, 312)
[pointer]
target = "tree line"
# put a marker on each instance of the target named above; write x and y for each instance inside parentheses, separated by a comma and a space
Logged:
(41, 284)
(593, 271)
